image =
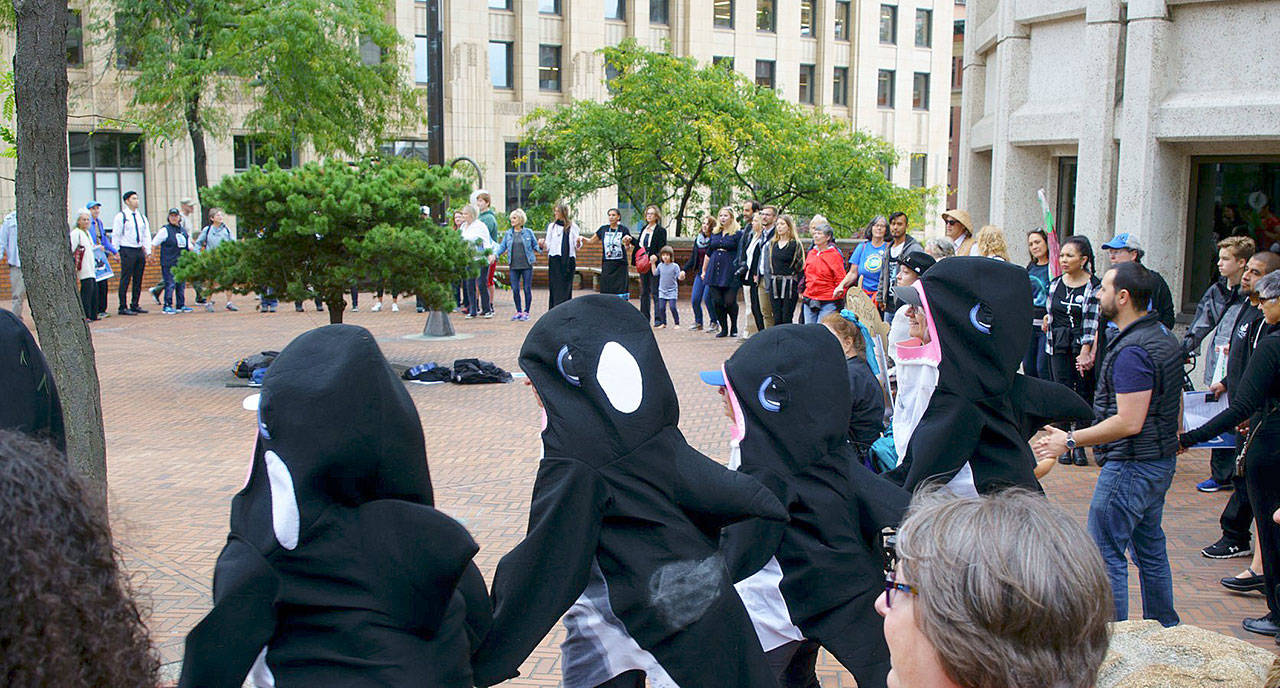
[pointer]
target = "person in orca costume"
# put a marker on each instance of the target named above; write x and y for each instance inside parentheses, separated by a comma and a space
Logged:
(790, 429)
(338, 571)
(981, 412)
(624, 522)
(31, 404)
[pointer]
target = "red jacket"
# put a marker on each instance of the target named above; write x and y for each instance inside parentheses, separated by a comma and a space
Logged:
(822, 273)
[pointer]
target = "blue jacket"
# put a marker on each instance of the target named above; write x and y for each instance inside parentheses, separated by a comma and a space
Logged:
(530, 243)
(100, 235)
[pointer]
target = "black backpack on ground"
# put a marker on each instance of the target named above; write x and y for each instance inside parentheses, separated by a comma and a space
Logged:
(244, 367)
(429, 372)
(473, 371)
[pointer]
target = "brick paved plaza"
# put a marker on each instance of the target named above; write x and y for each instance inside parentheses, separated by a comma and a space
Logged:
(178, 445)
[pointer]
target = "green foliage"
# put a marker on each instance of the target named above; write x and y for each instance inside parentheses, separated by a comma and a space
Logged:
(296, 62)
(7, 111)
(319, 229)
(673, 130)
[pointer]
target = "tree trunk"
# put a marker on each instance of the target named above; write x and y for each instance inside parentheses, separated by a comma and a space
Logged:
(335, 305)
(40, 91)
(199, 155)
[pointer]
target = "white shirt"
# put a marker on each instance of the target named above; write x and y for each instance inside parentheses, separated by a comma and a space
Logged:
(80, 239)
(477, 233)
(555, 234)
(130, 230)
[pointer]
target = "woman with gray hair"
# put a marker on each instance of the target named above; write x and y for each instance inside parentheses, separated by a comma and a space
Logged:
(823, 270)
(1256, 398)
(998, 591)
(940, 247)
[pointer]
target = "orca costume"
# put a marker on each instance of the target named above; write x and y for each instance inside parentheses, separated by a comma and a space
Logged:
(337, 570)
(625, 519)
(982, 411)
(789, 399)
(31, 404)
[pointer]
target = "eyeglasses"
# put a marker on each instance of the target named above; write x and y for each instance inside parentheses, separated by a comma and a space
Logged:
(952, 222)
(891, 586)
(1269, 298)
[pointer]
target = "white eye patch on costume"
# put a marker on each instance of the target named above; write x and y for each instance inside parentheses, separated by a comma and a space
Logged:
(619, 376)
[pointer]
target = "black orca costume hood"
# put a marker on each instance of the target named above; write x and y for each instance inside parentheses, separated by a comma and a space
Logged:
(337, 570)
(982, 411)
(791, 398)
(31, 404)
(620, 493)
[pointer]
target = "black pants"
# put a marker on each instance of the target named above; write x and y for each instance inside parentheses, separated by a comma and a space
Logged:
(559, 280)
(132, 261)
(753, 297)
(89, 297)
(724, 302)
(1222, 465)
(795, 664)
(1262, 478)
(1062, 366)
(102, 295)
(648, 293)
(784, 310)
(297, 305)
(1237, 515)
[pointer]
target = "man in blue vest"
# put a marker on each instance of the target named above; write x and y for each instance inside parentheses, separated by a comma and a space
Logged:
(1137, 404)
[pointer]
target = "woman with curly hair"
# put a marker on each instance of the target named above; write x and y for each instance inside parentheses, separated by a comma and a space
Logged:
(67, 618)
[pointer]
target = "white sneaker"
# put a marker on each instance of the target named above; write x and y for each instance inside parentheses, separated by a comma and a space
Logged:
(355, 309)
(395, 308)
(675, 327)
(377, 306)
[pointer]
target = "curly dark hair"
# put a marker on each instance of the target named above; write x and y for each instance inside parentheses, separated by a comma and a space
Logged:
(67, 616)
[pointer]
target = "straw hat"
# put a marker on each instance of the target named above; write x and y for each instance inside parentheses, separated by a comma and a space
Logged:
(960, 216)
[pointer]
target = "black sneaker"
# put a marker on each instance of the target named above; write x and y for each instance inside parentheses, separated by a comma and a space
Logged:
(137, 310)
(1226, 549)
(125, 311)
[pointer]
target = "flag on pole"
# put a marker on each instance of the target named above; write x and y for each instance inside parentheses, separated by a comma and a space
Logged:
(1055, 268)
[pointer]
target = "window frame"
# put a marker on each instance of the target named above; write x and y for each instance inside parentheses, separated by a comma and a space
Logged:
(531, 167)
(840, 86)
(923, 177)
(767, 16)
(620, 7)
(510, 66)
(413, 149)
(773, 73)
(75, 37)
(809, 7)
(93, 170)
(421, 41)
(555, 11)
(504, 5)
(927, 15)
(807, 78)
(881, 100)
(893, 24)
(916, 94)
(253, 157)
(545, 49)
(718, 21)
(665, 18)
(840, 19)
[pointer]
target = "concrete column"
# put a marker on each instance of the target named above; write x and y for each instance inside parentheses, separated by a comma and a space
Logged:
(1153, 177)
(1097, 151)
(974, 183)
(1016, 171)
(467, 92)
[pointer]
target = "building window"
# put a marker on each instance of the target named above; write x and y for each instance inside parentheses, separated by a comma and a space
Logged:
(888, 170)
(920, 91)
(499, 4)
(549, 6)
(412, 148)
(75, 39)
(842, 20)
(840, 86)
(250, 151)
(104, 166)
(522, 164)
(658, 12)
(723, 61)
(127, 54)
(370, 52)
(806, 83)
(889, 24)
(957, 73)
(767, 15)
(549, 67)
(421, 60)
(615, 9)
(884, 88)
(722, 11)
(764, 73)
(924, 28)
(919, 166)
(500, 65)
(806, 17)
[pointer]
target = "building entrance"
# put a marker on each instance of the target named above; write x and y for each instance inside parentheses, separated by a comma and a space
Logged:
(1229, 197)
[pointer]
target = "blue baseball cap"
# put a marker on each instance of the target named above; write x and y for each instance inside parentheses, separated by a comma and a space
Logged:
(92, 204)
(715, 378)
(1124, 241)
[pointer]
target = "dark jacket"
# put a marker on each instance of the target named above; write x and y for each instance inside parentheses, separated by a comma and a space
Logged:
(889, 271)
(1218, 303)
(170, 249)
(1161, 299)
(1257, 398)
(866, 414)
(696, 256)
(1158, 438)
(656, 242)
(722, 252)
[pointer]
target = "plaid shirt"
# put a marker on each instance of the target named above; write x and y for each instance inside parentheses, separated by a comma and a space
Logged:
(1092, 314)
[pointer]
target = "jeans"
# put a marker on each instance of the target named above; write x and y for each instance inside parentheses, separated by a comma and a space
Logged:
(476, 295)
(1124, 516)
(815, 311)
(660, 313)
(1035, 363)
(700, 295)
(170, 286)
(522, 281)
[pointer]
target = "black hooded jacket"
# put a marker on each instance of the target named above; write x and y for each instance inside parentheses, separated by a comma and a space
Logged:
(983, 411)
(620, 486)
(790, 413)
(337, 569)
(31, 404)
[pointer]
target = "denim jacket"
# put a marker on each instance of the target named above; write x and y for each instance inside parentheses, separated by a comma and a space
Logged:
(530, 243)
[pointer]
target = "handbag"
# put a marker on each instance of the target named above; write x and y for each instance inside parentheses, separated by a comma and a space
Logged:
(79, 258)
(643, 262)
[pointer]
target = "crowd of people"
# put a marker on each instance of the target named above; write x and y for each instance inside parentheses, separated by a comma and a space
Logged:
(857, 513)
